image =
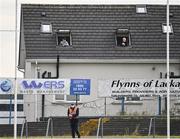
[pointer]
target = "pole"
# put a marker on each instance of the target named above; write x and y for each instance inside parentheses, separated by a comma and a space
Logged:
(36, 96)
(168, 94)
(154, 126)
(15, 70)
(76, 100)
(122, 105)
(10, 109)
(159, 105)
(105, 106)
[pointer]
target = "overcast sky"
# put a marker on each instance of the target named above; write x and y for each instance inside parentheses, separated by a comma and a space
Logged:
(7, 25)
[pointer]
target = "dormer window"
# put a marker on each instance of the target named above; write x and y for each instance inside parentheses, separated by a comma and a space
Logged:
(141, 9)
(164, 28)
(46, 28)
(123, 38)
(63, 38)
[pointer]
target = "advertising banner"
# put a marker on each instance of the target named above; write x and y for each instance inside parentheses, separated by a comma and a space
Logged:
(140, 87)
(80, 87)
(43, 86)
(6, 86)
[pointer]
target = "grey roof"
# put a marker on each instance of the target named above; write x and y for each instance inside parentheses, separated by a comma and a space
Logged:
(93, 30)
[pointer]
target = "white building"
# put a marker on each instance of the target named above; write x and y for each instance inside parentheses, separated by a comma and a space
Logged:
(105, 42)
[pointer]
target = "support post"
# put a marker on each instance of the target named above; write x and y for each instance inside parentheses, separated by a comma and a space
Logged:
(76, 100)
(154, 127)
(167, 65)
(122, 105)
(15, 70)
(10, 109)
(159, 105)
(105, 106)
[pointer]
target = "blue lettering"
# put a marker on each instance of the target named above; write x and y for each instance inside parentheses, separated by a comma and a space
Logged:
(31, 85)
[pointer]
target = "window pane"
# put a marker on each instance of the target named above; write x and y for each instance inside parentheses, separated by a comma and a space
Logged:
(164, 28)
(46, 28)
(2, 96)
(72, 98)
(7, 107)
(133, 98)
(59, 97)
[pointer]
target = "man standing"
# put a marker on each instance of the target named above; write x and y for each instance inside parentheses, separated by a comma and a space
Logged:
(73, 113)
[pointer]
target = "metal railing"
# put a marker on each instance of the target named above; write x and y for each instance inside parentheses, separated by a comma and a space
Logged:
(100, 125)
(152, 124)
(50, 123)
(24, 124)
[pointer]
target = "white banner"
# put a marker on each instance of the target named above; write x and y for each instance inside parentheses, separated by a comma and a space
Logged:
(140, 87)
(6, 86)
(44, 86)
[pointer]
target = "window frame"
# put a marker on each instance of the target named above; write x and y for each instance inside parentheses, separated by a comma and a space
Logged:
(165, 26)
(6, 107)
(63, 33)
(65, 99)
(127, 100)
(140, 7)
(46, 32)
(121, 33)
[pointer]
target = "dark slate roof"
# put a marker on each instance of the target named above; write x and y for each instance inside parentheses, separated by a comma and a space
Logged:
(93, 30)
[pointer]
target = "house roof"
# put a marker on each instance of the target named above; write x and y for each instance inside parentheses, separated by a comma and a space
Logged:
(93, 29)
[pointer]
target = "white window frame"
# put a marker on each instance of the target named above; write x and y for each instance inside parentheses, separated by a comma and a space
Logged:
(65, 99)
(135, 102)
(46, 28)
(140, 99)
(164, 28)
(141, 9)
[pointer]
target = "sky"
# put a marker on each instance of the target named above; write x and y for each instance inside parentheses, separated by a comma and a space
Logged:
(7, 25)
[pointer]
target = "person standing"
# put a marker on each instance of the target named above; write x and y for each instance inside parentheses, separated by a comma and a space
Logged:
(73, 113)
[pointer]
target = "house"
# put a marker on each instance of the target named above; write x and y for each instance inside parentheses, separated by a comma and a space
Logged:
(97, 42)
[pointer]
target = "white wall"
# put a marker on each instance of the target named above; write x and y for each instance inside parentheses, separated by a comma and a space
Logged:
(96, 72)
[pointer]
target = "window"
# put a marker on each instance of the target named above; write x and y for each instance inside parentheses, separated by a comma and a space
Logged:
(67, 98)
(7, 107)
(46, 28)
(8, 96)
(164, 28)
(141, 9)
(63, 38)
(123, 37)
(128, 99)
(133, 98)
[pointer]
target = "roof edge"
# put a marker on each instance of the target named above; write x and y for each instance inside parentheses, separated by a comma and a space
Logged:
(105, 61)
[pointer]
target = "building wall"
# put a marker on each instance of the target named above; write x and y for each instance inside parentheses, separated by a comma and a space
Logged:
(92, 105)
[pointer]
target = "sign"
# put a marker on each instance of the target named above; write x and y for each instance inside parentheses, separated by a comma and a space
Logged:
(43, 86)
(80, 87)
(6, 86)
(140, 87)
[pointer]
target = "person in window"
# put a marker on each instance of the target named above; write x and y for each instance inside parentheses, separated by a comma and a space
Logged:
(73, 113)
(64, 43)
(124, 41)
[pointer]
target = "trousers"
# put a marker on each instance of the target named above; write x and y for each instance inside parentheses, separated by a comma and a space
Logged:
(74, 127)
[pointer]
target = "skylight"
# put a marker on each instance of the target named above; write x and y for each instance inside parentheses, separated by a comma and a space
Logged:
(164, 28)
(63, 38)
(141, 9)
(123, 38)
(46, 28)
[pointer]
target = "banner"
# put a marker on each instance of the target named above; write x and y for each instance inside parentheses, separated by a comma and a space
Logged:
(43, 86)
(80, 87)
(6, 86)
(139, 87)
